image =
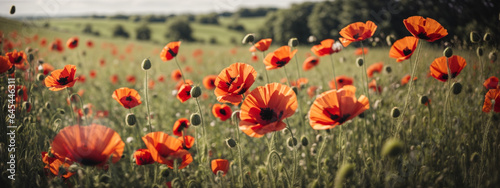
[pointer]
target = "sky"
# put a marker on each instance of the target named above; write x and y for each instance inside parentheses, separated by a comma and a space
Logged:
(54, 8)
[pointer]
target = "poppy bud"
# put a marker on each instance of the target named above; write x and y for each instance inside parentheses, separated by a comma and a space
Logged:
(20, 92)
(390, 40)
(395, 112)
(31, 57)
(295, 90)
(424, 100)
(104, 179)
(487, 37)
(359, 61)
(319, 138)
(388, 69)
(293, 42)
(492, 56)
(130, 119)
(195, 119)
(40, 77)
(249, 38)
(47, 105)
(230, 143)
(456, 88)
(27, 106)
(479, 51)
(40, 61)
(392, 147)
(304, 141)
(146, 64)
(344, 172)
(61, 111)
(11, 70)
(474, 37)
(474, 157)
(86, 109)
(362, 115)
(12, 9)
(165, 172)
(235, 116)
(195, 91)
(292, 142)
(448, 52)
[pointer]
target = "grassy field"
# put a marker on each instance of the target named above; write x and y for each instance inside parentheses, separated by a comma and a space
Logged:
(459, 149)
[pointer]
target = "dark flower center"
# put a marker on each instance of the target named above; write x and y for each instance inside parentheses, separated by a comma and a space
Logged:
(171, 52)
(423, 35)
(74, 42)
(268, 114)
(341, 80)
(356, 36)
(406, 51)
(281, 63)
(242, 91)
(18, 59)
(339, 119)
(90, 162)
(314, 62)
(222, 111)
(444, 77)
(129, 98)
(230, 81)
(63, 80)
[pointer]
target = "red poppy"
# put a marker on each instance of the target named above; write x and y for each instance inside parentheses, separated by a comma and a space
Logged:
(90, 44)
(493, 94)
(128, 98)
(403, 48)
(179, 126)
(57, 46)
(220, 165)
(406, 79)
(335, 107)
(61, 78)
(440, 71)
(222, 111)
(131, 79)
(299, 83)
(265, 108)
(255, 58)
(72, 42)
(170, 51)
(161, 78)
(102, 62)
(197, 52)
(360, 51)
(310, 62)
(54, 164)
(165, 149)
(373, 86)
(427, 29)
(5, 64)
(184, 92)
(187, 142)
(311, 91)
(176, 75)
(341, 82)
(16, 57)
(374, 68)
(180, 83)
(151, 84)
(491, 83)
(325, 48)
(81, 78)
(234, 81)
(209, 82)
(263, 44)
(89, 145)
(114, 79)
(188, 69)
(279, 58)
(102, 114)
(43, 42)
(143, 157)
(357, 32)
(47, 68)
(92, 73)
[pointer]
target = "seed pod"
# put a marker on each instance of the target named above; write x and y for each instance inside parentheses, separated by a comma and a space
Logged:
(359, 61)
(230, 143)
(424, 100)
(487, 37)
(392, 147)
(448, 52)
(293, 42)
(479, 51)
(474, 37)
(195, 119)
(456, 88)
(388, 69)
(249, 38)
(195, 91)
(304, 141)
(40, 77)
(319, 138)
(165, 172)
(61, 111)
(395, 112)
(292, 142)
(235, 117)
(130, 119)
(146, 64)
(12, 9)
(492, 56)
(47, 105)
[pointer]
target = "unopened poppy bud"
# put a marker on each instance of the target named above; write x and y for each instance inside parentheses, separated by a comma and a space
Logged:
(11, 70)
(31, 57)
(40, 77)
(474, 157)
(146, 64)
(492, 56)
(195, 91)
(390, 40)
(86, 109)
(73, 168)
(474, 37)
(61, 111)
(165, 172)
(304, 141)
(487, 37)
(362, 115)
(456, 88)
(195, 119)
(295, 90)
(235, 116)
(230, 143)
(20, 92)
(319, 138)
(388, 69)
(395, 112)
(292, 142)
(392, 147)
(104, 179)
(47, 105)
(344, 172)
(40, 61)
(479, 51)
(12, 9)
(27, 106)
(424, 99)
(249, 38)
(359, 61)
(293, 42)
(448, 52)
(130, 119)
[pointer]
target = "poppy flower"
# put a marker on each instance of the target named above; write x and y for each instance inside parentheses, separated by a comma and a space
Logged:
(151, 84)
(222, 111)
(360, 51)
(491, 83)
(161, 78)
(252, 49)
(374, 68)
(46, 68)
(43, 42)
(335, 107)
(114, 79)
(188, 69)
(440, 71)
(92, 73)
(220, 165)
(176, 75)
(311, 91)
(403, 48)
(310, 62)
(180, 125)
(170, 51)
(209, 82)
(102, 62)
(16, 57)
(61, 78)
(184, 92)
(102, 114)
(406, 79)
(131, 79)
(180, 83)
(325, 48)
(81, 78)
(254, 58)
(90, 44)
(57, 46)
(88, 145)
(299, 82)
(187, 142)
(234, 81)
(165, 149)
(143, 157)
(53, 164)
(263, 44)
(373, 86)
(128, 98)
(279, 58)
(341, 81)
(5, 64)
(265, 108)
(427, 29)
(493, 94)
(358, 31)
(72, 42)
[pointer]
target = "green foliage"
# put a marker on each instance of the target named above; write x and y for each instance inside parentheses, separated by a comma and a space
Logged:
(179, 29)
(143, 33)
(323, 21)
(119, 31)
(211, 18)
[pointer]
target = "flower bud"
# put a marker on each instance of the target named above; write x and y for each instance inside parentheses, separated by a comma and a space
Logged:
(105, 179)
(390, 39)
(40, 77)
(492, 56)
(359, 61)
(319, 138)
(195, 119)
(395, 112)
(130, 119)
(293, 42)
(292, 142)
(388, 69)
(47, 105)
(165, 172)
(146, 64)
(230, 143)
(73, 168)
(235, 116)
(448, 52)
(424, 100)
(27, 106)
(392, 147)
(12, 9)
(304, 141)
(479, 51)
(31, 57)
(249, 38)
(474, 37)
(11, 70)
(61, 111)
(456, 88)
(195, 91)
(487, 37)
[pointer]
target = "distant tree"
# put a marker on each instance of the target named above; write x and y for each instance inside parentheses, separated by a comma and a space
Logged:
(292, 23)
(211, 18)
(322, 23)
(213, 40)
(143, 32)
(119, 31)
(235, 25)
(88, 28)
(178, 28)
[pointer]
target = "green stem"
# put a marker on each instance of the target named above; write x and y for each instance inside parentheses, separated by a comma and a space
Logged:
(203, 127)
(147, 100)
(333, 69)
(264, 57)
(318, 163)
(240, 157)
(294, 156)
(179, 66)
(286, 76)
(445, 110)
(298, 68)
(71, 106)
(365, 76)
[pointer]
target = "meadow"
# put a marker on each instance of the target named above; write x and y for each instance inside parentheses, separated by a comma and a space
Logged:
(426, 145)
